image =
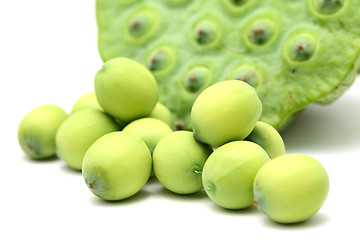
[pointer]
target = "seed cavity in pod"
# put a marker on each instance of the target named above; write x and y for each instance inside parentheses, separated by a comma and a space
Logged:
(301, 47)
(177, 2)
(236, 3)
(142, 24)
(261, 32)
(328, 7)
(161, 59)
(196, 79)
(205, 32)
(248, 74)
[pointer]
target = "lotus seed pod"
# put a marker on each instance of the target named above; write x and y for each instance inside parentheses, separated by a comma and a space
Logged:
(162, 113)
(125, 89)
(88, 100)
(268, 138)
(236, 106)
(150, 130)
(37, 130)
(229, 173)
(303, 51)
(116, 166)
(79, 131)
(178, 160)
(291, 188)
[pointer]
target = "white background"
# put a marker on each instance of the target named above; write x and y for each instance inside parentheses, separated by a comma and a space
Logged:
(48, 54)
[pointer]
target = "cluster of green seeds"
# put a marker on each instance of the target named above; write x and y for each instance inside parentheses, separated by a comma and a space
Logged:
(119, 136)
(293, 52)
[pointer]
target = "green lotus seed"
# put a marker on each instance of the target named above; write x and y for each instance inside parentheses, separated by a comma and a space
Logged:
(197, 78)
(161, 60)
(229, 173)
(150, 130)
(88, 100)
(261, 32)
(116, 166)
(268, 138)
(328, 7)
(248, 74)
(178, 160)
(37, 130)
(236, 106)
(125, 89)
(162, 113)
(301, 47)
(79, 131)
(291, 188)
(142, 25)
(205, 32)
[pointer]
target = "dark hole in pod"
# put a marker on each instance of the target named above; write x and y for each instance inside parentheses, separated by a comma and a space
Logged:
(328, 7)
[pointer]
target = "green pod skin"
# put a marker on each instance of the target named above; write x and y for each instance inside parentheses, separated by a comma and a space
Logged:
(125, 89)
(268, 138)
(162, 113)
(229, 173)
(87, 100)
(291, 188)
(79, 131)
(237, 109)
(116, 166)
(178, 160)
(37, 130)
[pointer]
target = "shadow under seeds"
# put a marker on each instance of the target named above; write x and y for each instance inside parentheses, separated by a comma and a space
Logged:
(245, 211)
(325, 128)
(40, 161)
(139, 196)
(315, 221)
(163, 192)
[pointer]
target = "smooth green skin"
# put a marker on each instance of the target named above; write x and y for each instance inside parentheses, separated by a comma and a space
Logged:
(163, 113)
(268, 138)
(37, 130)
(229, 173)
(291, 188)
(287, 86)
(87, 100)
(79, 131)
(224, 112)
(116, 166)
(125, 89)
(178, 160)
(150, 130)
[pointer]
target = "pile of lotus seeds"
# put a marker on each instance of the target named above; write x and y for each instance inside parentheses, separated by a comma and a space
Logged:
(119, 136)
